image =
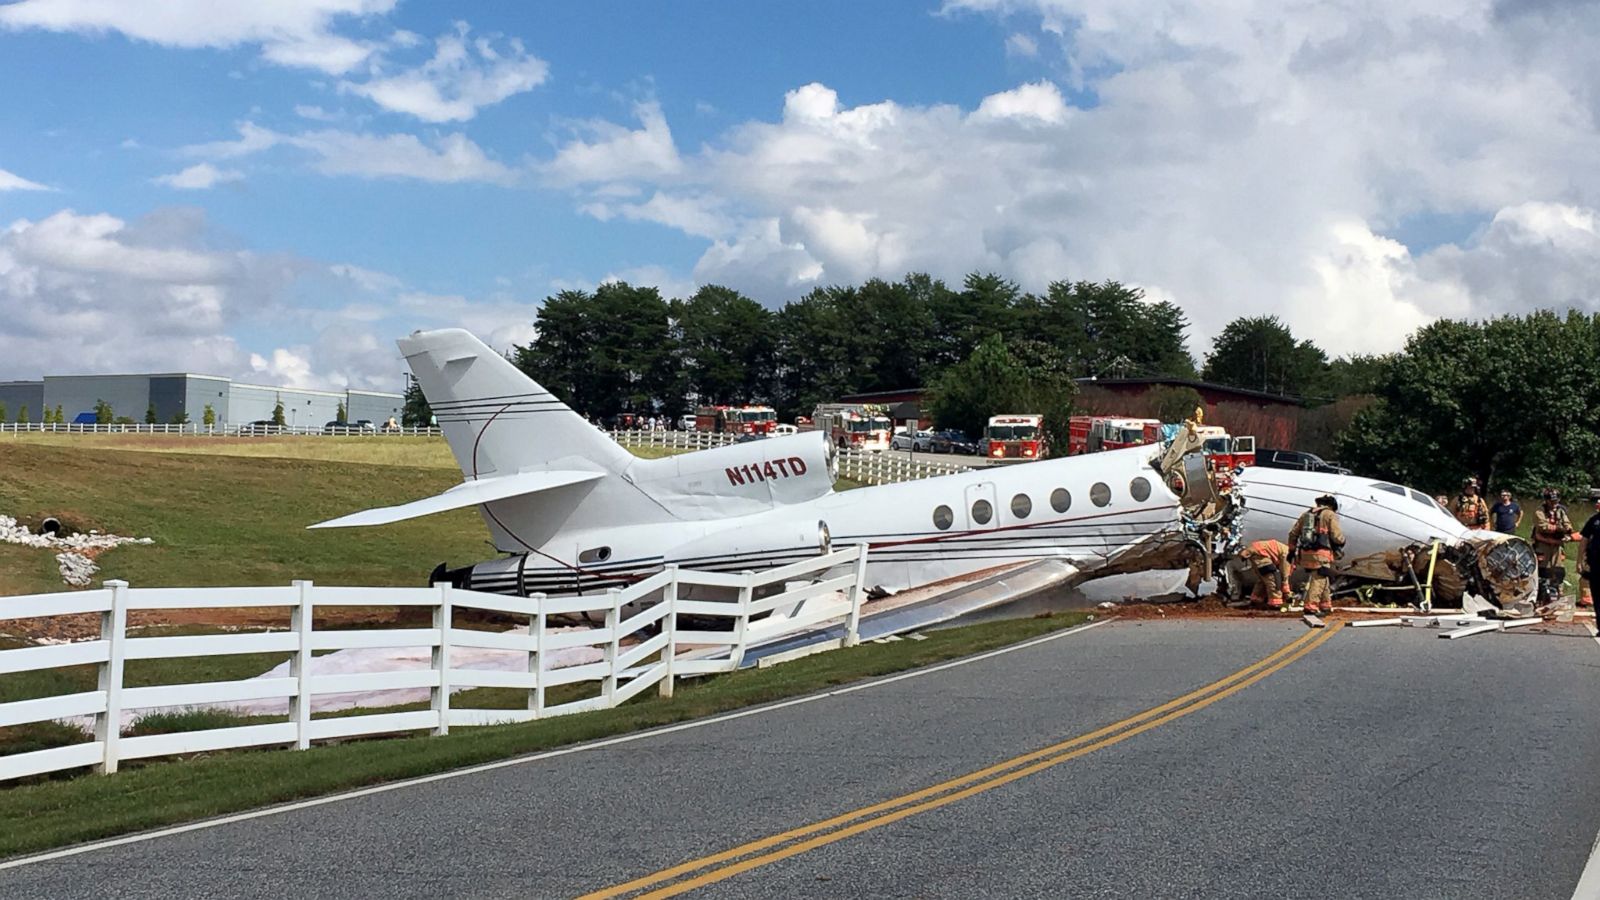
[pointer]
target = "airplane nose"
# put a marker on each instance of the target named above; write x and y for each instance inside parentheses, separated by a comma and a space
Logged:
(1509, 569)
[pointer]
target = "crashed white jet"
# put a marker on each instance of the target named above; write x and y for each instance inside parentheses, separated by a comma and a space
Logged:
(575, 513)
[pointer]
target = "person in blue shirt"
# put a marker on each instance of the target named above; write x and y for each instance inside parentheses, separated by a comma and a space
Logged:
(1507, 515)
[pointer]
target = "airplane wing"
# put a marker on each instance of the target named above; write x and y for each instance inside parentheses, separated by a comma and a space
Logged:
(470, 493)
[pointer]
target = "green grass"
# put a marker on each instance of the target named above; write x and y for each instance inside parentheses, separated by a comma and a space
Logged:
(59, 812)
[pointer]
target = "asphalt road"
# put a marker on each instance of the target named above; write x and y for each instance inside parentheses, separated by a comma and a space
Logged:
(1375, 763)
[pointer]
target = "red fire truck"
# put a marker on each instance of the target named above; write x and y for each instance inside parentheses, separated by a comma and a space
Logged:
(1015, 437)
(1091, 434)
(735, 419)
(1226, 451)
(853, 425)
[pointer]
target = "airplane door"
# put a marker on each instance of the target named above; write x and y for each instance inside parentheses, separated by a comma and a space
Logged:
(982, 511)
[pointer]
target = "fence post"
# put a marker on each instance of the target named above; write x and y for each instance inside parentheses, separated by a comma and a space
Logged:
(608, 687)
(746, 591)
(536, 658)
(113, 630)
(852, 620)
(669, 624)
(442, 616)
(300, 666)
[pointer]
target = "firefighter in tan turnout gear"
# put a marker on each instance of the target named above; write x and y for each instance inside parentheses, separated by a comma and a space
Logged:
(1552, 528)
(1318, 540)
(1270, 559)
(1470, 508)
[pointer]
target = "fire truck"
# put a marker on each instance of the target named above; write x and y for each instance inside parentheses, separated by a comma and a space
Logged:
(735, 419)
(1015, 437)
(1091, 434)
(1226, 451)
(853, 425)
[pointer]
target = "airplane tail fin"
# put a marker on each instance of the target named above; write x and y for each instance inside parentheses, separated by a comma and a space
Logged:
(497, 420)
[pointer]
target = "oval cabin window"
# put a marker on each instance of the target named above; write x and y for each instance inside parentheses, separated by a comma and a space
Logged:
(1060, 500)
(594, 555)
(982, 512)
(1021, 506)
(1100, 494)
(1140, 489)
(943, 518)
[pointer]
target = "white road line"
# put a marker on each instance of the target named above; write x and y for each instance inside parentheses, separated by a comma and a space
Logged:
(1589, 882)
(523, 760)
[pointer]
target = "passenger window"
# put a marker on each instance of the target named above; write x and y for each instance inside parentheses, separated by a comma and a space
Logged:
(1060, 500)
(982, 512)
(1100, 494)
(943, 518)
(1140, 489)
(1021, 506)
(595, 554)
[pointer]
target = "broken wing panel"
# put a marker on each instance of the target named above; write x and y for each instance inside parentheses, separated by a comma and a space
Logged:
(470, 493)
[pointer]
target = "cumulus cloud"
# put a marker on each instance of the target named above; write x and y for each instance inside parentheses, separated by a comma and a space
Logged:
(289, 32)
(199, 177)
(463, 76)
(10, 182)
(447, 158)
(1273, 158)
(86, 293)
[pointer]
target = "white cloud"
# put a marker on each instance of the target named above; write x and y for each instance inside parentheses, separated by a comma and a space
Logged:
(315, 113)
(10, 182)
(617, 153)
(289, 32)
(1262, 159)
(462, 77)
(199, 177)
(1021, 45)
(445, 158)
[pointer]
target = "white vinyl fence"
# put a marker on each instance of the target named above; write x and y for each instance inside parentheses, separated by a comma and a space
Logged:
(888, 468)
(216, 430)
(653, 633)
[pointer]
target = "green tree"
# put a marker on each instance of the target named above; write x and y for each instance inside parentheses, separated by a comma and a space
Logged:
(1260, 354)
(1350, 376)
(824, 349)
(2, 412)
(181, 417)
(103, 413)
(277, 413)
(339, 414)
(150, 413)
(415, 413)
(727, 343)
(1508, 400)
(606, 352)
(986, 304)
(208, 416)
(61, 417)
(1174, 404)
(1109, 330)
(994, 381)
(22, 414)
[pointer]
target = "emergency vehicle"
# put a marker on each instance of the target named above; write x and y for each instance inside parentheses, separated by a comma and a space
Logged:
(1226, 451)
(735, 419)
(1091, 434)
(1014, 437)
(853, 425)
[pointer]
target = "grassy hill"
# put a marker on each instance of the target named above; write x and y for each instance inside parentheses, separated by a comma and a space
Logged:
(224, 519)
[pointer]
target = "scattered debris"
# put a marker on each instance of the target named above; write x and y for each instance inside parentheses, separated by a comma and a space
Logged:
(1313, 622)
(74, 552)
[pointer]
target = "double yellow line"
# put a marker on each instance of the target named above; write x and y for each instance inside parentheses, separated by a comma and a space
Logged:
(728, 863)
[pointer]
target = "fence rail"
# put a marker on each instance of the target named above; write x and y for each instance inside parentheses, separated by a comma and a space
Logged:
(643, 645)
(193, 429)
(889, 468)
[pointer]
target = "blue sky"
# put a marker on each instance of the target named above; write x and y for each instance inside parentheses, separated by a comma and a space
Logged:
(277, 190)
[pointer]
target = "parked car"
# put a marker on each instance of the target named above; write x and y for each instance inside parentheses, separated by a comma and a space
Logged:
(337, 427)
(952, 441)
(686, 423)
(747, 438)
(1297, 459)
(260, 426)
(919, 442)
(785, 429)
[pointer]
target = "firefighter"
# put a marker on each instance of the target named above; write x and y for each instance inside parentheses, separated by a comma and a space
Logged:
(1469, 508)
(1318, 540)
(1270, 559)
(1552, 528)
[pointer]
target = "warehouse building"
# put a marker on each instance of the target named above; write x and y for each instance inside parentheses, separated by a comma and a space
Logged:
(184, 396)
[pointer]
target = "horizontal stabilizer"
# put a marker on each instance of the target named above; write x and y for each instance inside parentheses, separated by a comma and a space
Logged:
(470, 493)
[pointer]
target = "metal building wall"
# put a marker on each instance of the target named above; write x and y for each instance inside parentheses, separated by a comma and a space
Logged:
(374, 406)
(14, 395)
(301, 408)
(128, 395)
(199, 390)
